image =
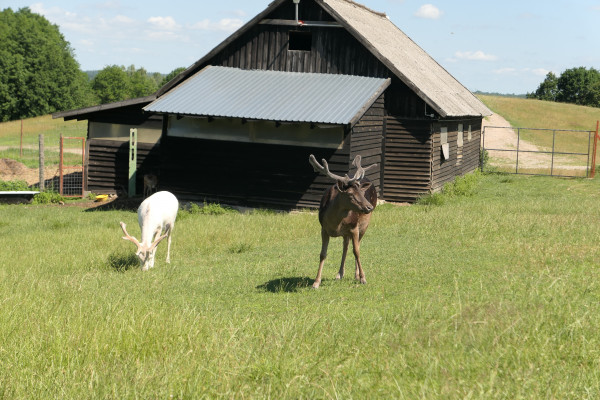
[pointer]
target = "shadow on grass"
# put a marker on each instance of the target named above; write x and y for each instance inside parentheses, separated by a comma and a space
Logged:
(120, 203)
(122, 263)
(286, 285)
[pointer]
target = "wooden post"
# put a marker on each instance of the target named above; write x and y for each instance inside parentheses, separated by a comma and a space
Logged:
(60, 166)
(41, 163)
(21, 147)
(132, 160)
(593, 172)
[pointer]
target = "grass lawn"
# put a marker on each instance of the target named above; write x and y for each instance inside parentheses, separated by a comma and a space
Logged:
(494, 295)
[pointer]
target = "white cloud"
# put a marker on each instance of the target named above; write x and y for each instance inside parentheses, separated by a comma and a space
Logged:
(540, 71)
(165, 23)
(428, 11)
(122, 19)
(475, 56)
(521, 71)
(505, 71)
(225, 24)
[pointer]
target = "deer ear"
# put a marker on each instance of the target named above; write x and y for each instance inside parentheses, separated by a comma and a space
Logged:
(339, 185)
(365, 186)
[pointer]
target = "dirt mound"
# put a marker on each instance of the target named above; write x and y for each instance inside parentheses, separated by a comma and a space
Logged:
(11, 170)
(12, 167)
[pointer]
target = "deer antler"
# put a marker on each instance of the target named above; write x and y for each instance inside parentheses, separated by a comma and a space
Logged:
(128, 236)
(157, 241)
(324, 169)
(360, 171)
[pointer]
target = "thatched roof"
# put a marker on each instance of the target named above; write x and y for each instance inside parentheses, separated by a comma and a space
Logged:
(417, 69)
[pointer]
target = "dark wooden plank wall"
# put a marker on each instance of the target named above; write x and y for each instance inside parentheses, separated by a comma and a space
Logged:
(366, 140)
(472, 149)
(407, 159)
(108, 165)
(334, 51)
(445, 171)
(251, 174)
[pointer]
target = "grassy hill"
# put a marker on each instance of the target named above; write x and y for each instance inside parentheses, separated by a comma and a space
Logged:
(530, 113)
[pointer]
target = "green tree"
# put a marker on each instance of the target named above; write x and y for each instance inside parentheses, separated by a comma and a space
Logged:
(578, 86)
(171, 75)
(547, 90)
(112, 84)
(141, 83)
(116, 83)
(38, 70)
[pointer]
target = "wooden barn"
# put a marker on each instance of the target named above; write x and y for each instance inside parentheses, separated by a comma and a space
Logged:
(326, 77)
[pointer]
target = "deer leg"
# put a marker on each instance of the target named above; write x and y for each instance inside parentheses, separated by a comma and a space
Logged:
(170, 229)
(323, 256)
(340, 274)
(359, 274)
(153, 251)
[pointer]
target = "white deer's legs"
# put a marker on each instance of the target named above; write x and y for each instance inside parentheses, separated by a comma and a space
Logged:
(323, 256)
(170, 230)
(340, 274)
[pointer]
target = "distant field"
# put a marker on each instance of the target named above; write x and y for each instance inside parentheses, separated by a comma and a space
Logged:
(52, 129)
(527, 113)
(530, 113)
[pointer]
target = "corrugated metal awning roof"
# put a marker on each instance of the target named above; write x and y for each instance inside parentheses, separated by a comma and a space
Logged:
(272, 95)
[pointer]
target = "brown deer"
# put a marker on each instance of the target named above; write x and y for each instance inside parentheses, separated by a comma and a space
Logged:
(150, 184)
(345, 210)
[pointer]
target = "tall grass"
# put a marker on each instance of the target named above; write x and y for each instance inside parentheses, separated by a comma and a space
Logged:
(490, 295)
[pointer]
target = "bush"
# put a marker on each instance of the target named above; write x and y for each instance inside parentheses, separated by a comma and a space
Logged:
(13, 186)
(47, 198)
(206, 209)
(432, 199)
(461, 186)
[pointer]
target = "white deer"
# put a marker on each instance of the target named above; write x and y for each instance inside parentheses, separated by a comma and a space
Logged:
(156, 215)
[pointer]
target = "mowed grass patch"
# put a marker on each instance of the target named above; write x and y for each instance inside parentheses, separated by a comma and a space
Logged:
(491, 295)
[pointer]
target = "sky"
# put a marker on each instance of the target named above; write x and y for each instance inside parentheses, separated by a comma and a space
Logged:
(502, 46)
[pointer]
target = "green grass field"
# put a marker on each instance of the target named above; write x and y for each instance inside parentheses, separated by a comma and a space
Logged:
(492, 295)
(528, 113)
(52, 129)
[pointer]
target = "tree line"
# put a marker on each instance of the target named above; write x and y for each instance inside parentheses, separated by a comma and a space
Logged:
(576, 85)
(39, 74)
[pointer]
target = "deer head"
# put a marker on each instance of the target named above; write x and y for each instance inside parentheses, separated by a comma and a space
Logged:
(352, 190)
(145, 252)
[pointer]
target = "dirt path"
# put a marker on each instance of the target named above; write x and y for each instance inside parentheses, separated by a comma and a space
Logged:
(498, 136)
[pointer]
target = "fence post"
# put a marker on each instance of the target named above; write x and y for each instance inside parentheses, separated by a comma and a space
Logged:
(60, 166)
(21, 146)
(41, 163)
(594, 151)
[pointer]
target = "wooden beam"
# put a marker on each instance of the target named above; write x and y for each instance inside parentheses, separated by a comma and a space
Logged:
(291, 22)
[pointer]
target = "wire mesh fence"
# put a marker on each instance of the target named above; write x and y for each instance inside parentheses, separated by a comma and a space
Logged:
(20, 157)
(533, 151)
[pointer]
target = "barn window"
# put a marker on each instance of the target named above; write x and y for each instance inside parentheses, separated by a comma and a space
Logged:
(459, 138)
(469, 137)
(300, 41)
(444, 142)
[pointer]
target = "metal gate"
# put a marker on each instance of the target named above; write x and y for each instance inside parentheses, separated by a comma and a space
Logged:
(521, 156)
(72, 166)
